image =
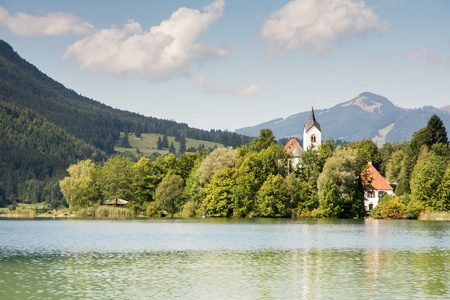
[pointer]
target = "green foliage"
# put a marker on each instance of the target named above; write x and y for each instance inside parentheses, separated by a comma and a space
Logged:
(125, 143)
(435, 131)
(170, 194)
(389, 207)
(34, 156)
(367, 151)
(214, 162)
(80, 188)
(270, 200)
(218, 201)
(189, 209)
(116, 178)
(265, 139)
(331, 203)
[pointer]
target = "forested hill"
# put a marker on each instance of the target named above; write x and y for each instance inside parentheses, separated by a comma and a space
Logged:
(25, 86)
(34, 155)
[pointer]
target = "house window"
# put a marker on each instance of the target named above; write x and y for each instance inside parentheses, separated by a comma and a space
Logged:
(370, 206)
(381, 194)
(370, 194)
(313, 138)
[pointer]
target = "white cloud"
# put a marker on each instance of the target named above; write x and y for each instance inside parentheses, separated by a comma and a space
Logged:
(158, 54)
(54, 23)
(424, 53)
(199, 81)
(314, 24)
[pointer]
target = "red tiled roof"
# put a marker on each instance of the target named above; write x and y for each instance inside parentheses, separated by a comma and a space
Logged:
(377, 181)
(291, 145)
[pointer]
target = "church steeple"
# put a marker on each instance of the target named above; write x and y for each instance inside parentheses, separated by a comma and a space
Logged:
(312, 133)
(312, 122)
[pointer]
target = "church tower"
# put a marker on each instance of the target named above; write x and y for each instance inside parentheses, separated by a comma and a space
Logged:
(312, 134)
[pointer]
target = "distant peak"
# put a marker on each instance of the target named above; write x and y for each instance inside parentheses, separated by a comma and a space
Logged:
(369, 102)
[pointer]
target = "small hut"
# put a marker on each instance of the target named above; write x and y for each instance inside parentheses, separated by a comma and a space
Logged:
(116, 202)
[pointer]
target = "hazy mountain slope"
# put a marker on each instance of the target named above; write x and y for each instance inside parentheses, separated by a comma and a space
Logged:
(367, 116)
(24, 85)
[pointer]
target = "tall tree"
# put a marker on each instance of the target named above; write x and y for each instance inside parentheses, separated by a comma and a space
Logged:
(159, 143)
(116, 178)
(435, 131)
(172, 148)
(80, 188)
(165, 142)
(170, 193)
(182, 144)
(265, 139)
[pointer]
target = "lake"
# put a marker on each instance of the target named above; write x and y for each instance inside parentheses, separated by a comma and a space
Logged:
(223, 259)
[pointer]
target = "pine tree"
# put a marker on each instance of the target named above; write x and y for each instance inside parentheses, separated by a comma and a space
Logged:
(435, 131)
(172, 148)
(159, 144)
(182, 144)
(165, 142)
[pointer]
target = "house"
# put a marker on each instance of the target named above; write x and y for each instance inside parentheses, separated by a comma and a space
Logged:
(379, 185)
(312, 138)
(294, 147)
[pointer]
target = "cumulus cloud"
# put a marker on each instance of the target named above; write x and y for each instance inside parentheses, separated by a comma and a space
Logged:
(314, 24)
(424, 53)
(54, 23)
(199, 81)
(158, 54)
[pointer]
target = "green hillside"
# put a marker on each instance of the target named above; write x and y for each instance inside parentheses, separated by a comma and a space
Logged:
(146, 144)
(35, 155)
(25, 86)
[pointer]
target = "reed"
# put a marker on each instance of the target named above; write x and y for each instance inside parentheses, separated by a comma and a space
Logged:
(105, 211)
(435, 215)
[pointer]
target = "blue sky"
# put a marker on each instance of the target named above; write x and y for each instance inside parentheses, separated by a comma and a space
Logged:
(227, 64)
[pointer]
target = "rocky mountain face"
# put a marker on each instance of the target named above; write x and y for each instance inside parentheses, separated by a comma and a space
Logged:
(367, 116)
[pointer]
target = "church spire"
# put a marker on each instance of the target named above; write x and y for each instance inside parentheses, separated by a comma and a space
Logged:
(312, 122)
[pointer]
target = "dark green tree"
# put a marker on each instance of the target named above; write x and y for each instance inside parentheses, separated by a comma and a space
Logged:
(125, 143)
(172, 148)
(159, 144)
(165, 142)
(435, 131)
(265, 139)
(170, 194)
(182, 144)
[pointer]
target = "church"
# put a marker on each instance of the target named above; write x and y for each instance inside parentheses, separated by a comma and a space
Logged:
(312, 138)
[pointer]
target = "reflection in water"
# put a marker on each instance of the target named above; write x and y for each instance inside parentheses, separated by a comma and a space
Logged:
(278, 260)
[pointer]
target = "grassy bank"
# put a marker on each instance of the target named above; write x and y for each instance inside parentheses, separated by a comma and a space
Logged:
(437, 215)
(105, 211)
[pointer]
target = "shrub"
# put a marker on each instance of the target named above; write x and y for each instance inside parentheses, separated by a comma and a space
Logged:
(389, 207)
(189, 209)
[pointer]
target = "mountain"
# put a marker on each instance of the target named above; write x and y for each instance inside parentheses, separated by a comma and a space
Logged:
(445, 108)
(34, 155)
(23, 85)
(367, 116)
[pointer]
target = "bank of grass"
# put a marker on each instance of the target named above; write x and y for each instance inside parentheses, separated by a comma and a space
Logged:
(105, 211)
(435, 215)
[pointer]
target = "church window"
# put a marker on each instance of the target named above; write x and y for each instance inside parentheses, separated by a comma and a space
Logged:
(313, 138)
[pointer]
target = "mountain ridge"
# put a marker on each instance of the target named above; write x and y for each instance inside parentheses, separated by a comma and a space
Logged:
(366, 116)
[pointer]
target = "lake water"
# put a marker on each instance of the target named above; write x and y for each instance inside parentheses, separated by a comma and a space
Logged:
(223, 259)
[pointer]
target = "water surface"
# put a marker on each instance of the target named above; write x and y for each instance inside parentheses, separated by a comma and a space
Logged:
(223, 259)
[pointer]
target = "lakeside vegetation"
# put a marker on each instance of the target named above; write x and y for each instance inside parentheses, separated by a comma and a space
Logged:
(254, 181)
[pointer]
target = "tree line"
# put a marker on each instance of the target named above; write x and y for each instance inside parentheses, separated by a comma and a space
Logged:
(257, 180)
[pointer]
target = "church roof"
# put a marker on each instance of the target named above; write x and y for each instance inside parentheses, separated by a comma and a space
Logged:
(312, 122)
(376, 180)
(294, 147)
